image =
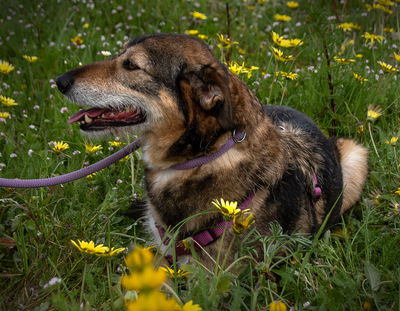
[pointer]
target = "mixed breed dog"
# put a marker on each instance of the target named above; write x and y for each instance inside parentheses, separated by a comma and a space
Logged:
(206, 136)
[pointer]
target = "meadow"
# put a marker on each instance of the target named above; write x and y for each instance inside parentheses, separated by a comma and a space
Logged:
(336, 61)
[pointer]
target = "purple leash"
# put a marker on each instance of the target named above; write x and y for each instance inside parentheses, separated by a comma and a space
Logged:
(62, 179)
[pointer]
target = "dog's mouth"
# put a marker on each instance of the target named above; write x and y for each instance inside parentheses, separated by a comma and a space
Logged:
(97, 119)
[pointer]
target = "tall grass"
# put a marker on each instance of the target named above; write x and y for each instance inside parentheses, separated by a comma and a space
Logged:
(352, 267)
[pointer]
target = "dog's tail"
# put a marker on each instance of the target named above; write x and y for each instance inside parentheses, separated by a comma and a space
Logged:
(354, 162)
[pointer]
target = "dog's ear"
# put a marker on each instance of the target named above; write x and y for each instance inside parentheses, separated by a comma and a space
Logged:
(210, 90)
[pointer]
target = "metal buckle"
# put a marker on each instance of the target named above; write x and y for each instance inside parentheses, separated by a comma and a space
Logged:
(238, 140)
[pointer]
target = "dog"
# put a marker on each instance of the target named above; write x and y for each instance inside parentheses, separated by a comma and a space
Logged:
(187, 106)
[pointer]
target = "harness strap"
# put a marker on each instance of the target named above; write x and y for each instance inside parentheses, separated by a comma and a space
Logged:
(203, 237)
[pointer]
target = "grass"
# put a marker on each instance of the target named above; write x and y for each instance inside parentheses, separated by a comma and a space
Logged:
(351, 267)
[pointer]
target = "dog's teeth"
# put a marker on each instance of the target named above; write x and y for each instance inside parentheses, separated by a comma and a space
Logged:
(112, 114)
(88, 119)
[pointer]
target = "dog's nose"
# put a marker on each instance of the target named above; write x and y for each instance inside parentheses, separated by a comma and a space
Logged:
(64, 82)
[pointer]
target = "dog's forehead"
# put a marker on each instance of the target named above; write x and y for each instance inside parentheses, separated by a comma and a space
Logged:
(172, 46)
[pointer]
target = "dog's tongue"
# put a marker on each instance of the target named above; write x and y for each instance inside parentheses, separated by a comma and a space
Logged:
(93, 112)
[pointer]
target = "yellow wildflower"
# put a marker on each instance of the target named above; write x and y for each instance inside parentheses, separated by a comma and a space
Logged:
(154, 300)
(31, 59)
(198, 15)
(192, 32)
(359, 55)
(348, 26)
(288, 75)
(6, 101)
(393, 141)
(189, 306)
(148, 278)
(174, 274)
(228, 209)
(202, 37)
(372, 37)
(377, 6)
(343, 60)
(373, 112)
(397, 56)
(277, 306)
(5, 67)
(242, 223)
(292, 4)
(4, 115)
(86, 25)
(92, 148)
(227, 41)
(237, 69)
(386, 2)
(99, 250)
(115, 143)
(77, 40)
(360, 129)
(280, 56)
(60, 146)
(282, 18)
(388, 29)
(387, 67)
(359, 78)
(139, 258)
(285, 42)
(397, 191)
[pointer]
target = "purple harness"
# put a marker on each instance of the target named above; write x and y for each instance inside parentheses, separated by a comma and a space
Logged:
(208, 236)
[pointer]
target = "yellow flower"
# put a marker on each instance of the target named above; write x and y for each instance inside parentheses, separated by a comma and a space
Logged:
(386, 2)
(6, 67)
(91, 148)
(393, 141)
(359, 78)
(174, 274)
(99, 250)
(189, 306)
(4, 115)
(359, 55)
(77, 40)
(228, 209)
(372, 37)
(187, 243)
(373, 112)
(115, 143)
(198, 15)
(192, 32)
(397, 191)
(60, 146)
(344, 60)
(288, 75)
(387, 67)
(6, 101)
(146, 279)
(280, 56)
(377, 6)
(285, 42)
(396, 56)
(360, 129)
(202, 37)
(139, 257)
(241, 224)
(348, 26)
(277, 306)
(388, 29)
(238, 69)
(282, 18)
(292, 4)
(31, 59)
(154, 300)
(86, 25)
(227, 41)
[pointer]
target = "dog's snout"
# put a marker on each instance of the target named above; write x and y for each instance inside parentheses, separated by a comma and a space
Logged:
(64, 82)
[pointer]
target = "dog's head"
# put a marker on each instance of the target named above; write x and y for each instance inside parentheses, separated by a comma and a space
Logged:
(156, 84)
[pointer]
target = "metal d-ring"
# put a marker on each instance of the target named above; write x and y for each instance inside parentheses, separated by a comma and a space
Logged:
(238, 140)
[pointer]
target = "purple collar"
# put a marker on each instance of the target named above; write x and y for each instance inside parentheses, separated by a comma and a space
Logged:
(208, 158)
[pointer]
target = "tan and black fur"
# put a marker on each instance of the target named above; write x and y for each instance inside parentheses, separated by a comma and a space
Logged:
(186, 103)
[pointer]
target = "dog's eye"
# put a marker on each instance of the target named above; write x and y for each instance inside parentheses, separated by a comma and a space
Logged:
(130, 66)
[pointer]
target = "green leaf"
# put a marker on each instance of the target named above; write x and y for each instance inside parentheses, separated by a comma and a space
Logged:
(372, 274)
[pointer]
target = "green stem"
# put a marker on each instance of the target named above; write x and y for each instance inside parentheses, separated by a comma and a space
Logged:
(83, 282)
(372, 139)
(220, 248)
(109, 283)
(226, 256)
